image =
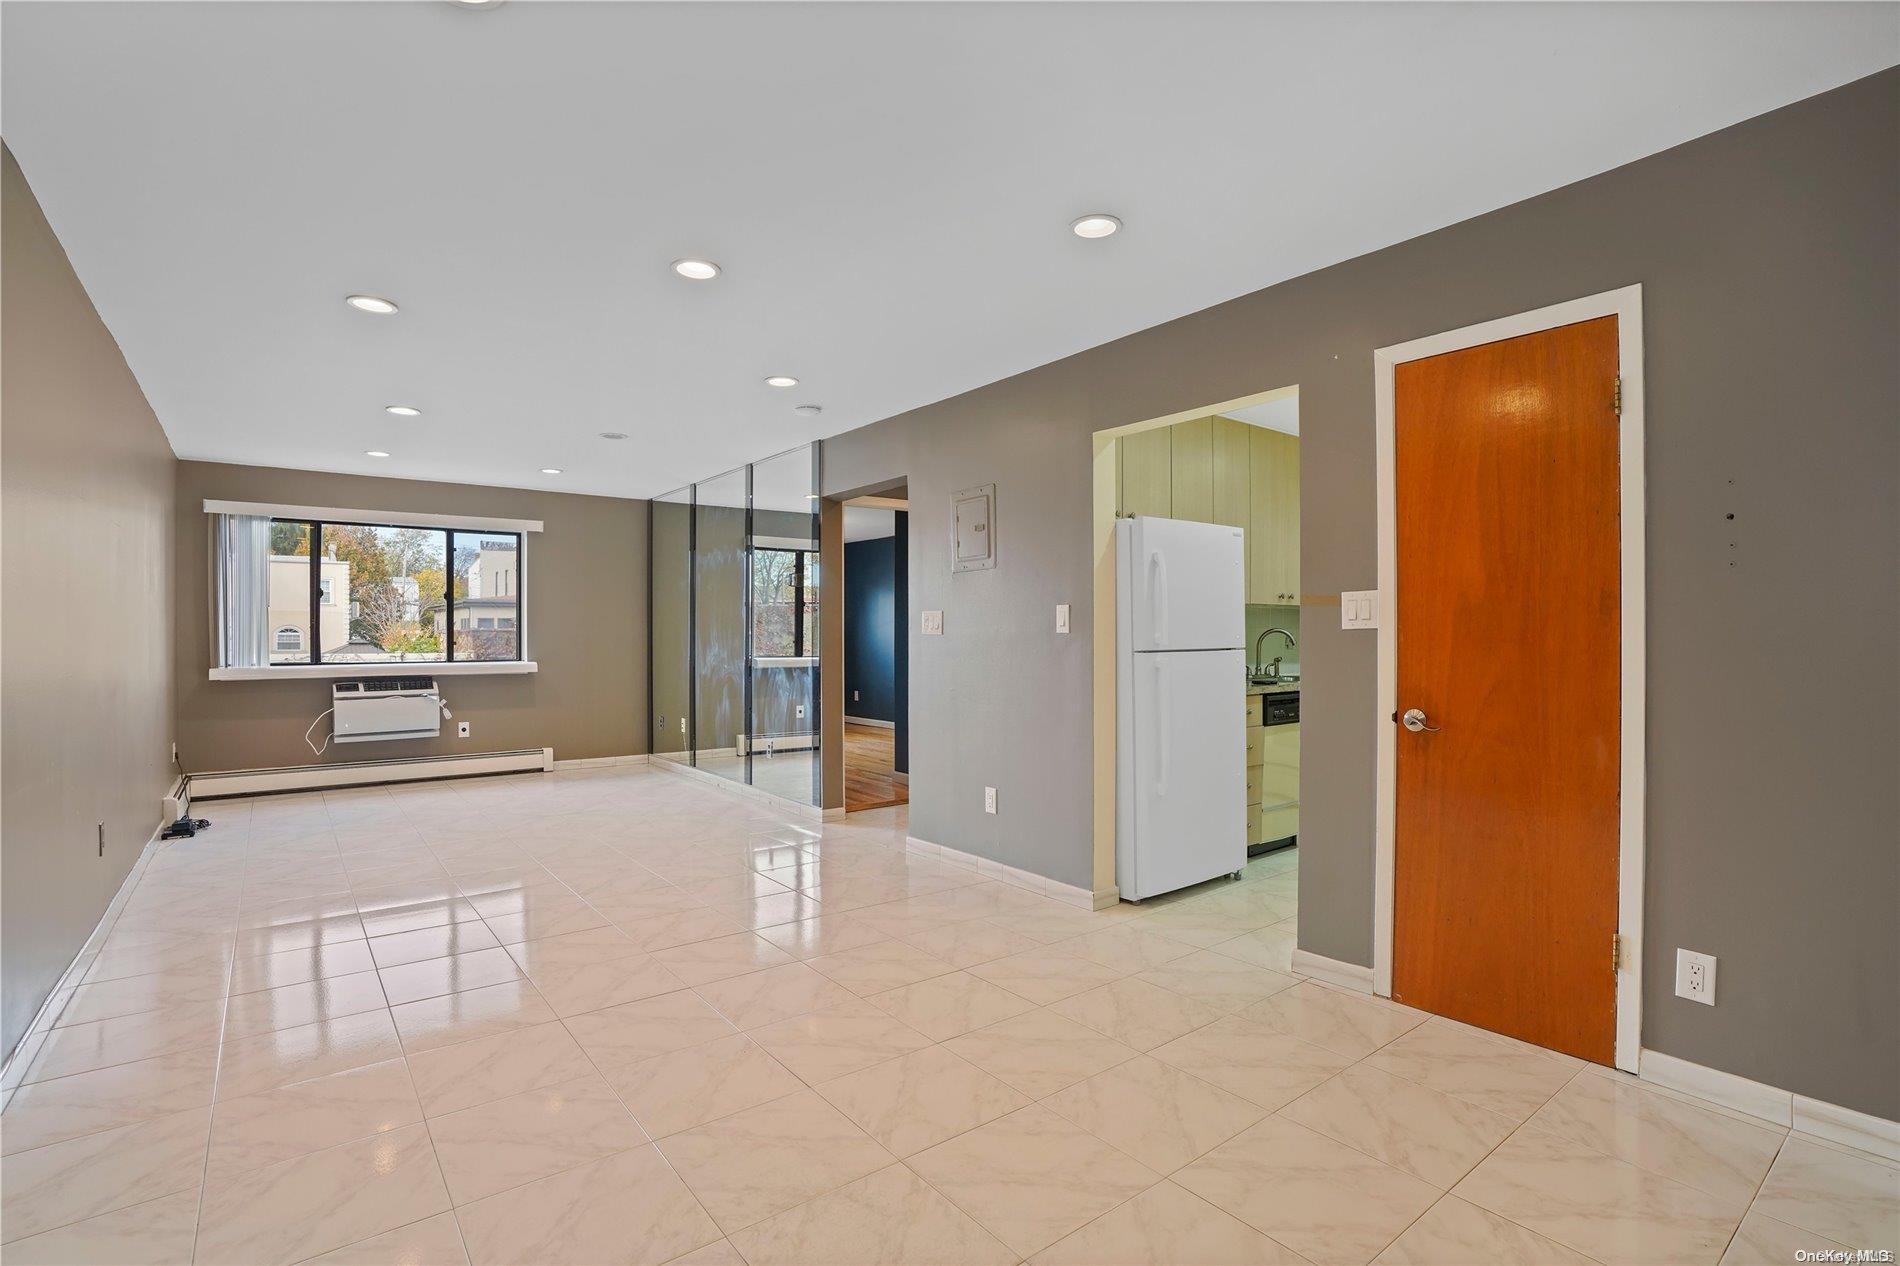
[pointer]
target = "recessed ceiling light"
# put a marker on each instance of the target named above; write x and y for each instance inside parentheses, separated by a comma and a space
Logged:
(550, 470)
(374, 452)
(781, 380)
(477, 4)
(403, 410)
(809, 410)
(371, 303)
(696, 269)
(1097, 225)
(613, 435)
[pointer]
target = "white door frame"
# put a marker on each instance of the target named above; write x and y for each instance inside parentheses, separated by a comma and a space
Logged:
(1627, 306)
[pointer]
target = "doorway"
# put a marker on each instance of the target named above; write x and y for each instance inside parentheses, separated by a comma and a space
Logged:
(1509, 809)
(876, 676)
(1234, 464)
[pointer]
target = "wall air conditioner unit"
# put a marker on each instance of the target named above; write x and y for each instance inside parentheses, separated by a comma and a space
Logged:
(375, 709)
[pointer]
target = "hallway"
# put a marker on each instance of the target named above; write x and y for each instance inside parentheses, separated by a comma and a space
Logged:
(869, 778)
(614, 1015)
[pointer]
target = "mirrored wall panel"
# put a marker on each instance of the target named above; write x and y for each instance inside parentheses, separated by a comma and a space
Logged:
(735, 625)
(719, 624)
(784, 621)
(671, 638)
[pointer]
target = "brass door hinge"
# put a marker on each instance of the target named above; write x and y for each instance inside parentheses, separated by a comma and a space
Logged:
(1616, 952)
(1619, 395)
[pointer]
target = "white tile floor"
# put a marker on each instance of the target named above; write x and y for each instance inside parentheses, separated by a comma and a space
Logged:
(611, 1016)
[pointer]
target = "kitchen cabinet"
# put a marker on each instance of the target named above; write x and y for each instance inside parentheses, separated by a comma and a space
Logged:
(1273, 575)
(1233, 479)
(1218, 470)
(1192, 456)
(1148, 473)
(1273, 776)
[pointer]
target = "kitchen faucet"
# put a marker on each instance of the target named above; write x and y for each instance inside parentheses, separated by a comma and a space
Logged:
(1290, 644)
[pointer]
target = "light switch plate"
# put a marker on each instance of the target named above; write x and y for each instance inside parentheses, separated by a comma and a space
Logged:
(933, 624)
(1359, 609)
(1062, 617)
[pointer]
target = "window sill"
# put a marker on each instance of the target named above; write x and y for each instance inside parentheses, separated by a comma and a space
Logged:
(412, 669)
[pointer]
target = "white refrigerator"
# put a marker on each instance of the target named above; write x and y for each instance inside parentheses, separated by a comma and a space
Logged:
(1181, 681)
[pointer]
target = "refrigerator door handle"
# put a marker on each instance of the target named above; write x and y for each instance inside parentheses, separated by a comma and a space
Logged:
(1158, 596)
(1161, 714)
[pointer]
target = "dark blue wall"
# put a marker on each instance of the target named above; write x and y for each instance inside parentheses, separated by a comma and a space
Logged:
(900, 635)
(869, 625)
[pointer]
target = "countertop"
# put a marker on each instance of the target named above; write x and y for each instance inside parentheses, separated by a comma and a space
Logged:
(1284, 688)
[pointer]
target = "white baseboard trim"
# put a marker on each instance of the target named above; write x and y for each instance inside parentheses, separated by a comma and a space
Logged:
(251, 782)
(1738, 1094)
(1029, 881)
(177, 802)
(602, 762)
(882, 725)
(796, 808)
(1332, 971)
(776, 743)
(834, 815)
(28, 1045)
(1861, 1131)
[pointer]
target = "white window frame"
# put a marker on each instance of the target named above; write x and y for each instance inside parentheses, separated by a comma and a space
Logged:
(521, 528)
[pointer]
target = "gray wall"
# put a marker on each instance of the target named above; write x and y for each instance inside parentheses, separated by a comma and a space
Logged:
(1768, 254)
(85, 680)
(586, 585)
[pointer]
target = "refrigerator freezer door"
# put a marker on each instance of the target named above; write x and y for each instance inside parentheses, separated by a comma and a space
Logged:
(1189, 772)
(1187, 584)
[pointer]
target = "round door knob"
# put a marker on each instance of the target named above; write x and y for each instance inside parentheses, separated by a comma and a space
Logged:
(1416, 721)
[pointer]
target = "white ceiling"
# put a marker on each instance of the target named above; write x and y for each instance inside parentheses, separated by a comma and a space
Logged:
(1276, 415)
(888, 187)
(866, 523)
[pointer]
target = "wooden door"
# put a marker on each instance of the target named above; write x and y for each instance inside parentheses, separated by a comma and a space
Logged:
(1505, 830)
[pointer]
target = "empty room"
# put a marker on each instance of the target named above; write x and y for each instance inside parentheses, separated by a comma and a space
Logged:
(909, 634)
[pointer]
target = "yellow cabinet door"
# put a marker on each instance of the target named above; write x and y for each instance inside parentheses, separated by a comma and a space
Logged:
(1147, 473)
(1233, 480)
(1273, 576)
(1193, 469)
(1286, 515)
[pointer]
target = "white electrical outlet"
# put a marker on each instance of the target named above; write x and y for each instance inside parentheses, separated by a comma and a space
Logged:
(989, 800)
(461, 729)
(1695, 977)
(854, 696)
(933, 623)
(1062, 617)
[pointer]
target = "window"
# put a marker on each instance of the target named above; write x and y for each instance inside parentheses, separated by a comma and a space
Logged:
(371, 593)
(784, 603)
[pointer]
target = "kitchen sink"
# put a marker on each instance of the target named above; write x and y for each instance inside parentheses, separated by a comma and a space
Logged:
(1269, 681)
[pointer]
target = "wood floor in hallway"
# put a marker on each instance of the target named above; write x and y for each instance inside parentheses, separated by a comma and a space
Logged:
(869, 781)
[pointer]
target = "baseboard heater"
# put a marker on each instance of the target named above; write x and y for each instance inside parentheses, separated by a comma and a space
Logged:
(769, 743)
(252, 782)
